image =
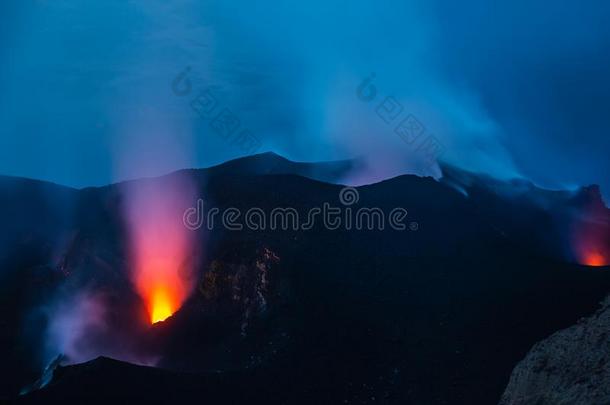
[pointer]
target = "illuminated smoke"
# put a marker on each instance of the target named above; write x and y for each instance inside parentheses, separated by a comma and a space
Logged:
(591, 232)
(591, 244)
(159, 244)
(71, 323)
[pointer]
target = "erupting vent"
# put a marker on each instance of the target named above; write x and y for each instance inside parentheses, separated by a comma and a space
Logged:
(591, 237)
(161, 306)
(594, 258)
(160, 245)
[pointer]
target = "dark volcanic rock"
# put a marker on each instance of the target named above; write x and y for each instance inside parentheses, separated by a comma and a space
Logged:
(571, 367)
(438, 313)
(104, 380)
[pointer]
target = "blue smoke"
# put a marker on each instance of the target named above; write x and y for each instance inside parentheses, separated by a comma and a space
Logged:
(518, 89)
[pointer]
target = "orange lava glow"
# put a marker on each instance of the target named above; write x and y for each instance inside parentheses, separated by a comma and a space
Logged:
(590, 248)
(160, 245)
(161, 306)
(591, 238)
(159, 283)
(595, 259)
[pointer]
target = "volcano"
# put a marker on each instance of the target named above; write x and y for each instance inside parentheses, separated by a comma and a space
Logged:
(438, 313)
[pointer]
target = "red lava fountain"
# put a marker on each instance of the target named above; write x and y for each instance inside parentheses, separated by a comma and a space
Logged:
(160, 244)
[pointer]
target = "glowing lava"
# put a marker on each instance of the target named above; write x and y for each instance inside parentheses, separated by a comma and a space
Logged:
(590, 247)
(595, 259)
(160, 245)
(162, 307)
(591, 233)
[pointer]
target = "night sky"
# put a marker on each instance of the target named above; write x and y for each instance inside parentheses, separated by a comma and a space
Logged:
(518, 89)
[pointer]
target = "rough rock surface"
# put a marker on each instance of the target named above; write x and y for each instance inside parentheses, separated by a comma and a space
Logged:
(572, 367)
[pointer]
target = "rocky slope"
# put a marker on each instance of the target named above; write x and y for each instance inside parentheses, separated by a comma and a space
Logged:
(572, 367)
(438, 313)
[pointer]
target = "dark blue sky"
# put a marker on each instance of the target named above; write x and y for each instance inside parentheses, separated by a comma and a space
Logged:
(520, 88)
